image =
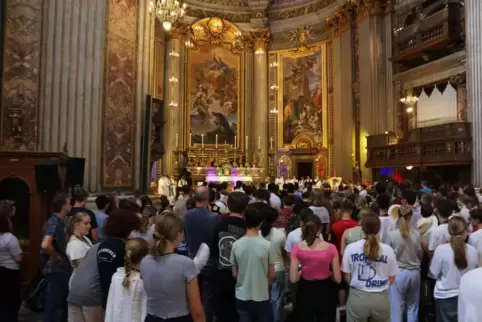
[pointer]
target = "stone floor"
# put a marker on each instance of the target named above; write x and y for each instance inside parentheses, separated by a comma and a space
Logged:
(28, 316)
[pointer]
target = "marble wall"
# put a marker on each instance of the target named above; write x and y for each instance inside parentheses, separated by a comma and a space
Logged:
(20, 85)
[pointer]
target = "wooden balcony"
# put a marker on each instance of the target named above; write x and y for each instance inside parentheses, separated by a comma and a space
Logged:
(434, 28)
(447, 144)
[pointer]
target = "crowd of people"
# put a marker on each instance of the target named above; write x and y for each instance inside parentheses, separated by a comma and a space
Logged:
(258, 254)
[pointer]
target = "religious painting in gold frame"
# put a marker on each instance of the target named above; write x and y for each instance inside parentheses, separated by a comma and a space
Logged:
(302, 96)
(215, 84)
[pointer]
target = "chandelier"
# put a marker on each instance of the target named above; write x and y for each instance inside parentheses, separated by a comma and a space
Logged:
(167, 11)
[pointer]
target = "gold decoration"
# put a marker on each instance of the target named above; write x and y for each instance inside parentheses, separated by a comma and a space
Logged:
(260, 38)
(301, 36)
(302, 141)
(216, 31)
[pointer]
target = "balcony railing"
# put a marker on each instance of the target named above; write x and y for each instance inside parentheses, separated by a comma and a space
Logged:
(447, 144)
(430, 31)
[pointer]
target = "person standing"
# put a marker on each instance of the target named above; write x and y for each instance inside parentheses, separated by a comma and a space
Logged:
(277, 238)
(199, 224)
(10, 257)
(316, 295)
(370, 268)
(470, 296)
(54, 261)
(449, 263)
(103, 203)
(226, 232)
(253, 261)
(405, 292)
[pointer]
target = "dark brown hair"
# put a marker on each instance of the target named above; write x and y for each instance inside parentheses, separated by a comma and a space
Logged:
(79, 194)
(4, 224)
(311, 229)
(120, 223)
(371, 227)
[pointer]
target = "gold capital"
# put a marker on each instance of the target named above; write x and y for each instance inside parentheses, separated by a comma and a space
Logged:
(260, 38)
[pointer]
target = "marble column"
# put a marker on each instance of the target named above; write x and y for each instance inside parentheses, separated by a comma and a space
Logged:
(378, 68)
(260, 111)
(72, 77)
(473, 47)
(172, 114)
(389, 106)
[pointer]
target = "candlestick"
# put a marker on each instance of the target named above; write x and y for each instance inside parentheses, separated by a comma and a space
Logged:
(202, 141)
(271, 143)
(247, 143)
(177, 140)
(235, 141)
(216, 141)
(259, 143)
(190, 139)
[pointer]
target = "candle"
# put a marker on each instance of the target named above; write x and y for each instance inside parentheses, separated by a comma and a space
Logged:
(202, 141)
(259, 143)
(235, 141)
(190, 139)
(247, 145)
(177, 140)
(271, 143)
(216, 141)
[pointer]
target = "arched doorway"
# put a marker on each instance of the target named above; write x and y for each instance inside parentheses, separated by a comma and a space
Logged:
(17, 190)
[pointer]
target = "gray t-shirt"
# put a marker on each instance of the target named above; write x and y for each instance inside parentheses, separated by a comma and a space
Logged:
(408, 251)
(165, 279)
(85, 282)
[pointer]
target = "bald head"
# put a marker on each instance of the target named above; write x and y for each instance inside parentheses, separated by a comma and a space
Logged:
(201, 195)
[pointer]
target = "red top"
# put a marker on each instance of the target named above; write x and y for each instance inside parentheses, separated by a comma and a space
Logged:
(284, 215)
(339, 227)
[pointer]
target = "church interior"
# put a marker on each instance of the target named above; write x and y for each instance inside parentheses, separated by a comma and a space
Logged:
(126, 96)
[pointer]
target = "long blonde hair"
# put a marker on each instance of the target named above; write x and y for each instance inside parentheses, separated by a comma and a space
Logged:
(371, 228)
(167, 226)
(72, 221)
(457, 227)
(405, 215)
(136, 250)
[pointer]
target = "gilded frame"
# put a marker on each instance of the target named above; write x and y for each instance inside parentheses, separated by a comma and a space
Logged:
(226, 39)
(296, 53)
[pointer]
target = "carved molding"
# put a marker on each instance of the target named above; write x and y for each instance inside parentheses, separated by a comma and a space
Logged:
(433, 72)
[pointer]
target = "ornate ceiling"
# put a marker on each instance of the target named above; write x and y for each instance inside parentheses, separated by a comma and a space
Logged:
(245, 10)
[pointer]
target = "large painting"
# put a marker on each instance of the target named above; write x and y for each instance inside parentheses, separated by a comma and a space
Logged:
(301, 97)
(214, 97)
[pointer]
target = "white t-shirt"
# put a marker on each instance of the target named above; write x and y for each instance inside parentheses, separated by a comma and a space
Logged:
(387, 225)
(274, 201)
(448, 276)
(367, 275)
(278, 241)
(322, 213)
(77, 248)
(293, 239)
(470, 296)
(439, 236)
(9, 247)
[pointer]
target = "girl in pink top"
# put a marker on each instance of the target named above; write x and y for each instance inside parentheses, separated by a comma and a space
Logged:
(316, 298)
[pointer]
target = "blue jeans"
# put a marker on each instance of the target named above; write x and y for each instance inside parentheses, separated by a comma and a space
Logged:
(404, 296)
(278, 295)
(56, 297)
(251, 311)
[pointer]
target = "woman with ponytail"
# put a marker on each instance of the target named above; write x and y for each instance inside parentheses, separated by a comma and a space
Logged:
(405, 292)
(127, 299)
(449, 263)
(170, 280)
(316, 296)
(79, 199)
(370, 268)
